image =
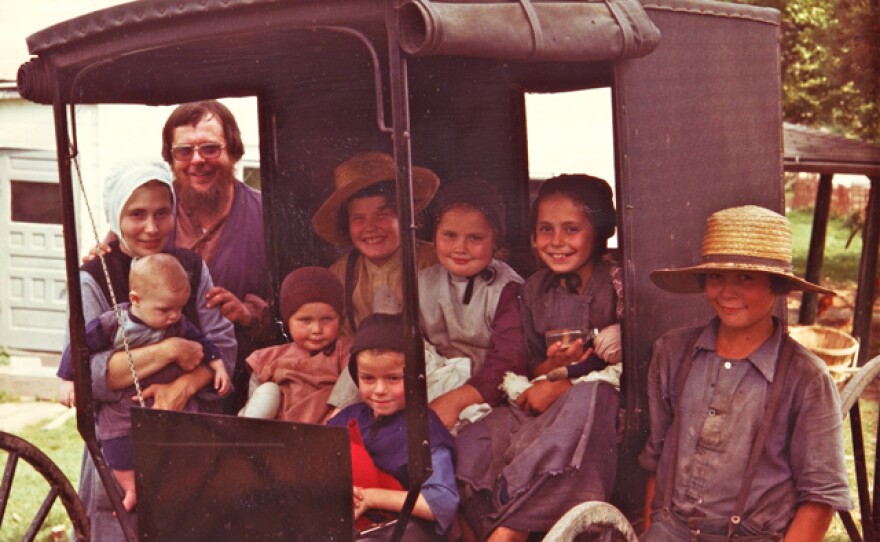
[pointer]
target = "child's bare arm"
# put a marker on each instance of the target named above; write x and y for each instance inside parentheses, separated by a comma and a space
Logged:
(541, 395)
(810, 523)
(222, 382)
(449, 405)
(388, 499)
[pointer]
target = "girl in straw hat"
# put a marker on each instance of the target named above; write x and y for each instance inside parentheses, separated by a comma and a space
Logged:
(746, 434)
(361, 213)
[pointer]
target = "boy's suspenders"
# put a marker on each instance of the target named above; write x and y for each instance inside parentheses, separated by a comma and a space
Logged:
(785, 356)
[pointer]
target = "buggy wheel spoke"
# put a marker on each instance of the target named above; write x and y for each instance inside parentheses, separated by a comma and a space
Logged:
(42, 513)
(59, 486)
(850, 525)
(6, 487)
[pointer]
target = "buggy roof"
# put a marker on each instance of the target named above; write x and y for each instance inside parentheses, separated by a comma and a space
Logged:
(174, 49)
(814, 151)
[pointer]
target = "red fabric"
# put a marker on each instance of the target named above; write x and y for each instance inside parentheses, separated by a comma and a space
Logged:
(364, 472)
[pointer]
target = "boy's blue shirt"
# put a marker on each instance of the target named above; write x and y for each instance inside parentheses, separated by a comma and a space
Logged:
(385, 440)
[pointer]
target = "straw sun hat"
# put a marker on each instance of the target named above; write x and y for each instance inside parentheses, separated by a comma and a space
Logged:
(359, 172)
(748, 238)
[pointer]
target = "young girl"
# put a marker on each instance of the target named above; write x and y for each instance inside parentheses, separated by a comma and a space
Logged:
(468, 302)
(297, 378)
(520, 469)
(361, 213)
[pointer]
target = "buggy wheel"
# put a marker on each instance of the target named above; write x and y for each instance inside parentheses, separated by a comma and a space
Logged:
(592, 521)
(849, 398)
(857, 384)
(59, 486)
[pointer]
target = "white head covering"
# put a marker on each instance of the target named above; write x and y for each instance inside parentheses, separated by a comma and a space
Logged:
(127, 176)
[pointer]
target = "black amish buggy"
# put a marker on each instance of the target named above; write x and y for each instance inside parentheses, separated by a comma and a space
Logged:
(697, 126)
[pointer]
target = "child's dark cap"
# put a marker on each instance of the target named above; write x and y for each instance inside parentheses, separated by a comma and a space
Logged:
(376, 332)
(593, 192)
(478, 194)
(310, 285)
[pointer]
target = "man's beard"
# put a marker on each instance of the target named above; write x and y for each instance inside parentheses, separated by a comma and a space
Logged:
(204, 202)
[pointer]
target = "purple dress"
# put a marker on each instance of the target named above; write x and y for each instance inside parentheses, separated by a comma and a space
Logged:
(522, 471)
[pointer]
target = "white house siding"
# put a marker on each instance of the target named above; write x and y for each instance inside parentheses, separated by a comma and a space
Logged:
(33, 293)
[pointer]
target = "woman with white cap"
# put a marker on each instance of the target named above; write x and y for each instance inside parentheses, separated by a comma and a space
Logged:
(139, 203)
(746, 433)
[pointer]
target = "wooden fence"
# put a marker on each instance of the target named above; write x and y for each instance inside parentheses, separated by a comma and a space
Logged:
(845, 200)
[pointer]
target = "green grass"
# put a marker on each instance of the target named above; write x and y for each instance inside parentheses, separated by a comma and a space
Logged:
(841, 264)
(869, 412)
(840, 270)
(64, 446)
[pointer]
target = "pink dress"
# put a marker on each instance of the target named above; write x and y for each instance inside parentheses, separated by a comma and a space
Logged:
(306, 380)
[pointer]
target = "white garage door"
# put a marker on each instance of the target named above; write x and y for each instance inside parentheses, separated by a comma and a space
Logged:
(33, 293)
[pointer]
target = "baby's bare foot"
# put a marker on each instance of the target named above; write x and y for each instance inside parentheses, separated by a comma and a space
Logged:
(129, 501)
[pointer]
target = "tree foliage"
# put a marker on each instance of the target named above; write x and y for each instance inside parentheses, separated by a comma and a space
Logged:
(831, 64)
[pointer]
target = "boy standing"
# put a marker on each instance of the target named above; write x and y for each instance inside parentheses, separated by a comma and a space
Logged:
(159, 289)
(746, 432)
(376, 365)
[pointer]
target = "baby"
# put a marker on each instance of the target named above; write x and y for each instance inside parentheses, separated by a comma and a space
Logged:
(296, 378)
(159, 290)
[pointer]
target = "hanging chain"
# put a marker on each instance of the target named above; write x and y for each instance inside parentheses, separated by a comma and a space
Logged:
(100, 253)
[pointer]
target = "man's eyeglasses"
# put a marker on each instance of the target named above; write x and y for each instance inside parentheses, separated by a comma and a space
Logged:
(209, 151)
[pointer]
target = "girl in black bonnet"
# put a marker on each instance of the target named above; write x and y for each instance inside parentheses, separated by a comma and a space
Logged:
(520, 469)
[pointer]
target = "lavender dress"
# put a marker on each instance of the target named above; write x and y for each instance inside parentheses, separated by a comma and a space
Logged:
(522, 471)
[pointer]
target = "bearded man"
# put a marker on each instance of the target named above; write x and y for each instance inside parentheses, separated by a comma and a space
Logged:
(221, 219)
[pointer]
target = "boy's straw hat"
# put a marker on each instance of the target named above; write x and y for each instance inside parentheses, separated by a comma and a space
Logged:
(748, 238)
(359, 172)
